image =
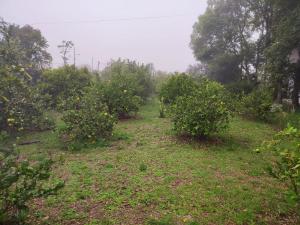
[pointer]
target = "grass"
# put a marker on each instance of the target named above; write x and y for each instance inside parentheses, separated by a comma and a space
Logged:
(148, 176)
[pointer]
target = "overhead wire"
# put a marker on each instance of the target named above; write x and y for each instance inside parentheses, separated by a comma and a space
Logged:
(123, 19)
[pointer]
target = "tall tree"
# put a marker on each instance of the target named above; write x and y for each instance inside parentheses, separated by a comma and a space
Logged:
(197, 70)
(222, 39)
(253, 40)
(285, 40)
(137, 74)
(11, 52)
(34, 45)
(24, 46)
(261, 23)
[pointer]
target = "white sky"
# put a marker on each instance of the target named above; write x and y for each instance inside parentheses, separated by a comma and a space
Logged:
(161, 41)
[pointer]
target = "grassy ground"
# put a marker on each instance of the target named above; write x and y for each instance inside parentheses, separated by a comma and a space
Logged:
(151, 177)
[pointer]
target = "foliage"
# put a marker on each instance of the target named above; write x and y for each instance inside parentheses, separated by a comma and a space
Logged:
(286, 146)
(222, 40)
(292, 119)
(162, 109)
(89, 122)
(251, 40)
(176, 86)
(240, 88)
(237, 91)
(159, 79)
(3, 136)
(120, 96)
(203, 112)
(19, 109)
(143, 167)
(197, 70)
(20, 182)
(138, 75)
(258, 105)
(10, 48)
(285, 39)
(225, 68)
(57, 85)
(23, 46)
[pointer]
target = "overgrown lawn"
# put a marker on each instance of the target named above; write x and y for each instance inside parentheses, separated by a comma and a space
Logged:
(149, 176)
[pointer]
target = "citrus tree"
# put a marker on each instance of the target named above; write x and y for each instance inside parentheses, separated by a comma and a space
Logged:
(19, 109)
(202, 112)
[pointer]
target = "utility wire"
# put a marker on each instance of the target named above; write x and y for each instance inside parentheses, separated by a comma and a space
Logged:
(111, 20)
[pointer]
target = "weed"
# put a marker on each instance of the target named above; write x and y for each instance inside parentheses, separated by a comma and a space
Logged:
(143, 167)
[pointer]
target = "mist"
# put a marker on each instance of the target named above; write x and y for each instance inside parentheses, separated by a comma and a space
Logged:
(154, 31)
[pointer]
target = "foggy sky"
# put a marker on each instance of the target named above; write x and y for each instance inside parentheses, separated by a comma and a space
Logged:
(109, 29)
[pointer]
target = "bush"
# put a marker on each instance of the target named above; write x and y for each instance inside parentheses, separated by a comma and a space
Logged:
(19, 109)
(258, 105)
(58, 85)
(286, 167)
(20, 182)
(177, 85)
(3, 136)
(159, 80)
(119, 95)
(241, 88)
(139, 75)
(162, 109)
(202, 112)
(90, 122)
(285, 119)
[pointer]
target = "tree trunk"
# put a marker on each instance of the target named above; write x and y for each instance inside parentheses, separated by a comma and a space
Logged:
(279, 93)
(296, 88)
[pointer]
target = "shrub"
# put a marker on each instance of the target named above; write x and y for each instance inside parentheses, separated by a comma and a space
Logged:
(162, 109)
(119, 95)
(284, 119)
(57, 85)
(139, 75)
(177, 85)
(286, 167)
(240, 88)
(19, 109)
(3, 136)
(202, 112)
(20, 182)
(90, 122)
(160, 79)
(258, 105)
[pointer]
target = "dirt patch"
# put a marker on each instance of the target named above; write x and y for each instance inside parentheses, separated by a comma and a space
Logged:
(50, 215)
(129, 118)
(201, 141)
(281, 219)
(179, 182)
(138, 215)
